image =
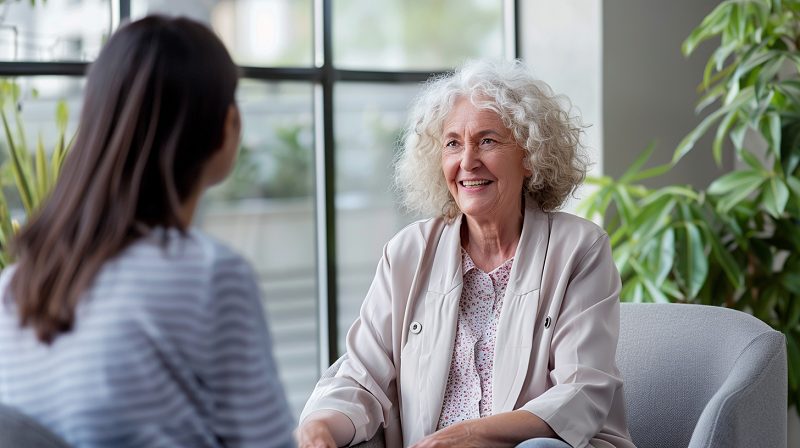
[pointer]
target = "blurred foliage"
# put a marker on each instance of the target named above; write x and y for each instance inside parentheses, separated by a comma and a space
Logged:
(736, 243)
(282, 170)
(28, 172)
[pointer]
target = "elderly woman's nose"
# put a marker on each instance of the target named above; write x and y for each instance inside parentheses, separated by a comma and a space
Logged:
(470, 157)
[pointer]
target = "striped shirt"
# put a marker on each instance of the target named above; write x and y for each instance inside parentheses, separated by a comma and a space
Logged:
(170, 348)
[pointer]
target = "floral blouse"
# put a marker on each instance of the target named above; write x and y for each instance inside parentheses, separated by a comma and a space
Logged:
(468, 393)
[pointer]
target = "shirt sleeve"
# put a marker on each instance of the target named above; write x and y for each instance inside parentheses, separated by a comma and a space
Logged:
(249, 405)
(364, 387)
(582, 352)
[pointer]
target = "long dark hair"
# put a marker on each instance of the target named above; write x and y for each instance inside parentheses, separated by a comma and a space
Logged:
(154, 112)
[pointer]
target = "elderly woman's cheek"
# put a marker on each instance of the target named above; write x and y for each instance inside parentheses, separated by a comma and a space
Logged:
(450, 165)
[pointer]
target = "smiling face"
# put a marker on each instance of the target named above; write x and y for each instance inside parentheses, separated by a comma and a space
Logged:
(482, 163)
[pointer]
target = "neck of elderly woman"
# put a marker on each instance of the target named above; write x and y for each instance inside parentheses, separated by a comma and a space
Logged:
(492, 239)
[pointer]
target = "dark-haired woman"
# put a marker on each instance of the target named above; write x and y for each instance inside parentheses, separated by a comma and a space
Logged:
(120, 326)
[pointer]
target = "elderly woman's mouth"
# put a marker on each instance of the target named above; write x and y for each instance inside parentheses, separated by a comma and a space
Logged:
(474, 183)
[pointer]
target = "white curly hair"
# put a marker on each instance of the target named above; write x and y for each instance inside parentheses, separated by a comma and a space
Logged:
(539, 120)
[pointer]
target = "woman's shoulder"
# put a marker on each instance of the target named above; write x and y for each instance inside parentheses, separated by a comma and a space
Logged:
(574, 227)
(173, 246)
(171, 258)
(416, 237)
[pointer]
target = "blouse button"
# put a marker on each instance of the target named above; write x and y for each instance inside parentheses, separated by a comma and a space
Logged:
(416, 327)
(547, 322)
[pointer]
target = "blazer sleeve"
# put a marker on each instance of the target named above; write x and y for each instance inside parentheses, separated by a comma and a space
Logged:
(364, 387)
(584, 375)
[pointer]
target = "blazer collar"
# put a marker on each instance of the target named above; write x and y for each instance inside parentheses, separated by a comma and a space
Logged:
(531, 249)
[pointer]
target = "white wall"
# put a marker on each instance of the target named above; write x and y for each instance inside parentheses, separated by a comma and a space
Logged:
(620, 63)
(562, 43)
(649, 87)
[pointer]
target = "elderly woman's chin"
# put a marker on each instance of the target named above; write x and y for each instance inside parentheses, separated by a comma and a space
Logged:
(489, 202)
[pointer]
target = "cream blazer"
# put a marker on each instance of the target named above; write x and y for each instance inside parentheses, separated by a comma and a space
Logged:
(556, 338)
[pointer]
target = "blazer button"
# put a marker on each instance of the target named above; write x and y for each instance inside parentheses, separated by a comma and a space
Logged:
(547, 322)
(416, 327)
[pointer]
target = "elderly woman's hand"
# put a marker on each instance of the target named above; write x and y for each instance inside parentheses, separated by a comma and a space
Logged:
(465, 434)
(314, 434)
(325, 429)
(505, 429)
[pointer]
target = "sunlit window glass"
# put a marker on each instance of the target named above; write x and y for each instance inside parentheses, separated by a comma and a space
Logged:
(265, 211)
(56, 30)
(369, 120)
(256, 32)
(415, 35)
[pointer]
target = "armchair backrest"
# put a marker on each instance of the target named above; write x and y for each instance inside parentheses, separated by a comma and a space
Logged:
(702, 376)
(19, 430)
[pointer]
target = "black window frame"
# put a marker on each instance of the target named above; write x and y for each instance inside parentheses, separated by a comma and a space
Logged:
(323, 75)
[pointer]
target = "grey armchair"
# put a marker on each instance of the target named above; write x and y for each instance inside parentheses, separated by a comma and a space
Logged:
(702, 376)
(696, 376)
(19, 430)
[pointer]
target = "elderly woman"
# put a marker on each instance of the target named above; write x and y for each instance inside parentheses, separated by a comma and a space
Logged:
(495, 322)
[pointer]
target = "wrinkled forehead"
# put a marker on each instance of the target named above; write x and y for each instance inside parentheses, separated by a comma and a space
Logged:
(472, 111)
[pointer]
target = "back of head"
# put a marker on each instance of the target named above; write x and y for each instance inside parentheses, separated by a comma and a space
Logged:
(153, 114)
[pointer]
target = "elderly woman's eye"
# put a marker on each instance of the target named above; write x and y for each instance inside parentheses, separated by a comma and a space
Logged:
(450, 144)
(488, 141)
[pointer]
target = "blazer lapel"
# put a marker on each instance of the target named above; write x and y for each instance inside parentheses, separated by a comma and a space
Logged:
(520, 306)
(441, 315)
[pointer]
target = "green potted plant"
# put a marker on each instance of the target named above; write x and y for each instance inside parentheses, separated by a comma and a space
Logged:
(737, 242)
(30, 172)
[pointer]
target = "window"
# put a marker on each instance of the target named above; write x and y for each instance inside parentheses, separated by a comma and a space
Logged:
(324, 95)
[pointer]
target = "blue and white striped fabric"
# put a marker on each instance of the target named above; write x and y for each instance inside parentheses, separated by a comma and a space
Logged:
(170, 349)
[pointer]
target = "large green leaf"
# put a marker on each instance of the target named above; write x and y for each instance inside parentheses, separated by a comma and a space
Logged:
(676, 191)
(771, 130)
(737, 135)
(793, 354)
(712, 24)
(793, 315)
(767, 74)
(723, 256)
(666, 255)
(734, 197)
(790, 88)
(735, 180)
(18, 166)
(791, 281)
(626, 206)
(790, 147)
(794, 185)
(648, 279)
(776, 195)
(722, 132)
(638, 164)
(752, 161)
(688, 142)
(693, 264)
(652, 219)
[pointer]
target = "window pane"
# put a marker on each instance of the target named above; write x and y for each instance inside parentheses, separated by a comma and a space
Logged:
(418, 35)
(265, 210)
(256, 32)
(368, 122)
(56, 30)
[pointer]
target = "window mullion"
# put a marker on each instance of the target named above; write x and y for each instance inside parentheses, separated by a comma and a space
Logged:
(325, 187)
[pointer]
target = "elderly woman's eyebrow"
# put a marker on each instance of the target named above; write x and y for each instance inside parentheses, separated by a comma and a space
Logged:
(481, 133)
(490, 131)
